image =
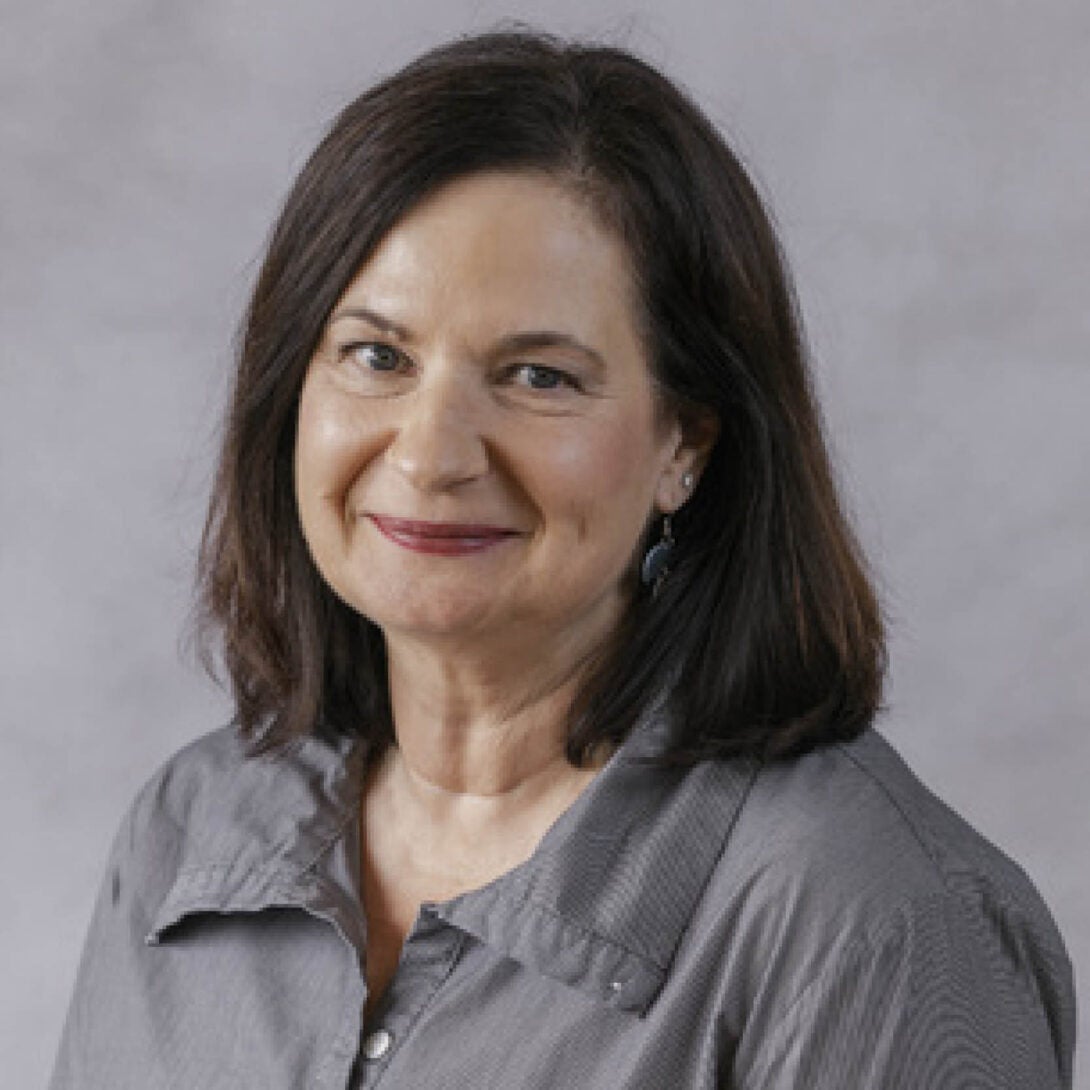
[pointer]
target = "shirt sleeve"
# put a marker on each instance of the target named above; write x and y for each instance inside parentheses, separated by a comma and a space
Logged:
(94, 1039)
(938, 1000)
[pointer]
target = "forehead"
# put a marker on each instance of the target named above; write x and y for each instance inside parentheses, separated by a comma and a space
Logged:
(501, 248)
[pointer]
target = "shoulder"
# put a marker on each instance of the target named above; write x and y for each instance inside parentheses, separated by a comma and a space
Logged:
(193, 791)
(855, 821)
(174, 815)
(189, 779)
(216, 804)
(848, 885)
(215, 836)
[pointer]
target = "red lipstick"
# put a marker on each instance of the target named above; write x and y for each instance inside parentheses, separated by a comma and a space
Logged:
(441, 538)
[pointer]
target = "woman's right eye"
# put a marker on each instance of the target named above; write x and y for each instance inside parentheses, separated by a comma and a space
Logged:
(373, 356)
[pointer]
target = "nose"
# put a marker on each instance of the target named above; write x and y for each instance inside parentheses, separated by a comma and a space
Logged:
(438, 443)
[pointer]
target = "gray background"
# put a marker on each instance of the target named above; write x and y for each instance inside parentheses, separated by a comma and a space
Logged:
(929, 164)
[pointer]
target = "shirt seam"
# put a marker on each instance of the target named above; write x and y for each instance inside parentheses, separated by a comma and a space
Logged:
(908, 822)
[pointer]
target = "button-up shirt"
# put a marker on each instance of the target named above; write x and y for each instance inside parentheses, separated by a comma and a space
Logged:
(818, 923)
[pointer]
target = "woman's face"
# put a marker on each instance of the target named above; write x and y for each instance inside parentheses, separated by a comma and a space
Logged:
(479, 447)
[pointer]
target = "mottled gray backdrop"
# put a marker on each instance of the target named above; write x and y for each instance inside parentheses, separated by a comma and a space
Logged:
(929, 164)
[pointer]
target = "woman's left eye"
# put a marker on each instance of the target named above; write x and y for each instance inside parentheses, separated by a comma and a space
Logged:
(538, 377)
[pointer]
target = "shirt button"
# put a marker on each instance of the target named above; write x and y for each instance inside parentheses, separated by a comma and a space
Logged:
(377, 1044)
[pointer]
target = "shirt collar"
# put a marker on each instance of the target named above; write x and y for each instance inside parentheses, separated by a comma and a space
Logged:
(604, 900)
(274, 830)
(601, 905)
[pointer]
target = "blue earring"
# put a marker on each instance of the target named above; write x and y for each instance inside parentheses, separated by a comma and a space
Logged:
(656, 561)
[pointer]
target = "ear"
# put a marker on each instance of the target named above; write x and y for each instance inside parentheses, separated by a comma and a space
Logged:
(693, 435)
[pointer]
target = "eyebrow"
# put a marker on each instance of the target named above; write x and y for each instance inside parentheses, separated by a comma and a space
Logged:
(512, 342)
(383, 325)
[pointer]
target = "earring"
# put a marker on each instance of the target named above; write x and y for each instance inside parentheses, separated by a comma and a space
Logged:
(687, 479)
(656, 561)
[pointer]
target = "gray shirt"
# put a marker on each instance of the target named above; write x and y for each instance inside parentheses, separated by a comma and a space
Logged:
(821, 923)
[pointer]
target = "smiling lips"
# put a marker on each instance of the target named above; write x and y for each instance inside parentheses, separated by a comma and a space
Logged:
(441, 538)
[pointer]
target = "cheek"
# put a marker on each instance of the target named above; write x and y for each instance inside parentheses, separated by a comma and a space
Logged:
(331, 450)
(603, 483)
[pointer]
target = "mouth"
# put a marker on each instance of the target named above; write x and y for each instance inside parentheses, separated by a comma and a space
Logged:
(442, 538)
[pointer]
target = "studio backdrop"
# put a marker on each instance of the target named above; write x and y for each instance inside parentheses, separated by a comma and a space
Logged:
(929, 168)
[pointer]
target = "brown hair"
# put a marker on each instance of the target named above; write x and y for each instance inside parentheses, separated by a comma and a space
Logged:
(766, 635)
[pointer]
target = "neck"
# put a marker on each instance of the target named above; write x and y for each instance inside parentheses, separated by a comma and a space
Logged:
(468, 728)
(478, 773)
(481, 739)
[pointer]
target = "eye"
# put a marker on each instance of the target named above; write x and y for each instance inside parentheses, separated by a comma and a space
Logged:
(538, 377)
(374, 356)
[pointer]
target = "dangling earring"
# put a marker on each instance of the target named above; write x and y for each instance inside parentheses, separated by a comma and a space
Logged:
(656, 561)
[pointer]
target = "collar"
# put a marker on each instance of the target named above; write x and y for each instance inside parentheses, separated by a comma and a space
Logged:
(600, 906)
(276, 830)
(604, 900)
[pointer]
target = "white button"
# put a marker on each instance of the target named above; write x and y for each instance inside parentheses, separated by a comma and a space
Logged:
(377, 1044)
(616, 986)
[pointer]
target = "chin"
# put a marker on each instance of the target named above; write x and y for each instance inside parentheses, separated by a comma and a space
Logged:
(428, 619)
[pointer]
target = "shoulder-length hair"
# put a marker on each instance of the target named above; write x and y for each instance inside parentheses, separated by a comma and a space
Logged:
(766, 636)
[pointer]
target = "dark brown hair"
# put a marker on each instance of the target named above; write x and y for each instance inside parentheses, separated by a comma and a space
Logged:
(766, 635)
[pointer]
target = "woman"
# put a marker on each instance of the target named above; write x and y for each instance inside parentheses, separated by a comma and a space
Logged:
(554, 658)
